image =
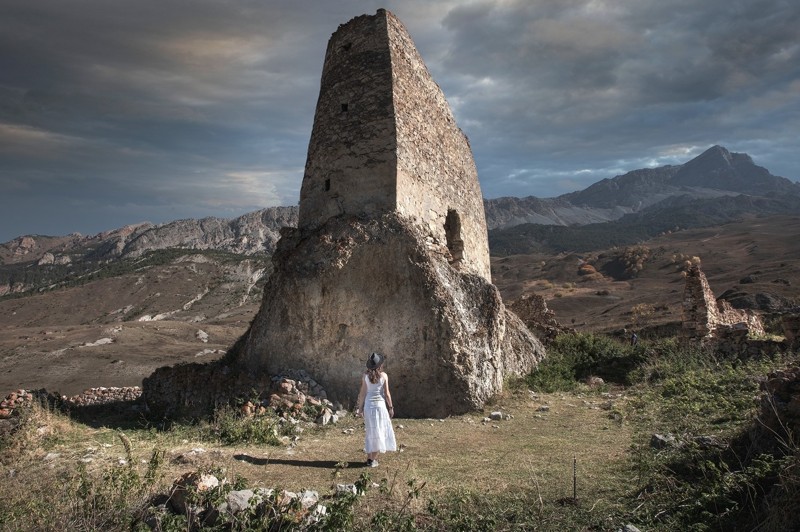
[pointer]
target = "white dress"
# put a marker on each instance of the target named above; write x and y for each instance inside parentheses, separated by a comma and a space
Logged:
(380, 434)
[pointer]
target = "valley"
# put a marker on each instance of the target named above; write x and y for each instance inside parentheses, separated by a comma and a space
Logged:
(116, 330)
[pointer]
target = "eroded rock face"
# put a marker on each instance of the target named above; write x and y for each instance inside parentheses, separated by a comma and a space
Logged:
(361, 285)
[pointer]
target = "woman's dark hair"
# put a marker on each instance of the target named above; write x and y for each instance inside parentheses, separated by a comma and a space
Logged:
(374, 375)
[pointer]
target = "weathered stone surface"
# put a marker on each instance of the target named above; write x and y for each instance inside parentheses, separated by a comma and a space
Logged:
(704, 315)
(356, 286)
(391, 251)
(384, 140)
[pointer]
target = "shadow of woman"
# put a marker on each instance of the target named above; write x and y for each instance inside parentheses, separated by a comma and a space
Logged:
(325, 464)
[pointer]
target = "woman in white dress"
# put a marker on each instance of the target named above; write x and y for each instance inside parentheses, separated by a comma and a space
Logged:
(375, 404)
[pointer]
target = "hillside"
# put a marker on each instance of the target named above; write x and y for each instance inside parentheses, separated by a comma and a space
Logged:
(754, 260)
(151, 312)
(120, 303)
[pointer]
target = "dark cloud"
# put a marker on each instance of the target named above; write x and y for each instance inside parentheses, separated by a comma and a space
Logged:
(117, 112)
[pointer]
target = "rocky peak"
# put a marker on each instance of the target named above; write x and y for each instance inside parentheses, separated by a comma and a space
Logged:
(717, 168)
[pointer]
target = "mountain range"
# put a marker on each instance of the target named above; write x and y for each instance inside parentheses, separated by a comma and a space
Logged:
(716, 187)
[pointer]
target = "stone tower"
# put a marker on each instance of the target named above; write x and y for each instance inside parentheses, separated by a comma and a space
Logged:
(391, 252)
(384, 140)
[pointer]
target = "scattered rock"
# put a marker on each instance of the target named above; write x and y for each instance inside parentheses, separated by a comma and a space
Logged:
(188, 484)
(663, 441)
(593, 381)
(101, 341)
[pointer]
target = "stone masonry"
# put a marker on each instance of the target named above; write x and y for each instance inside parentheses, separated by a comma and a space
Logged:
(384, 140)
(391, 251)
(705, 318)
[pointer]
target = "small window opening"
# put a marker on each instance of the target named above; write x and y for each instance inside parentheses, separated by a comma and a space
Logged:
(327, 185)
(344, 107)
(455, 245)
(346, 46)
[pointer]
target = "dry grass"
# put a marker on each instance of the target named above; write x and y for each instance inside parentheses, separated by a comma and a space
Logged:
(530, 454)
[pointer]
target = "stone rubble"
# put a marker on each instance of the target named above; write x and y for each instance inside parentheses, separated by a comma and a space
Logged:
(193, 494)
(715, 323)
(90, 397)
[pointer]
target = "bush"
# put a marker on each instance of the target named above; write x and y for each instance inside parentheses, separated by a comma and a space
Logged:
(230, 427)
(573, 357)
(712, 477)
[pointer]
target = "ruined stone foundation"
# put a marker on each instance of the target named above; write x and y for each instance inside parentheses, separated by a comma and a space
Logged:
(363, 285)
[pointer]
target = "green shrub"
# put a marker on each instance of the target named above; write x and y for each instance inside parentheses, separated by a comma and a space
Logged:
(713, 477)
(230, 427)
(573, 357)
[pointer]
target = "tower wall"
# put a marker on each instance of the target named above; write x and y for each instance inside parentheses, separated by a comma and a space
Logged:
(436, 173)
(351, 163)
(384, 140)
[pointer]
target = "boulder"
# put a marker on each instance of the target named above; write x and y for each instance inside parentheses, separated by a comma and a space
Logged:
(361, 285)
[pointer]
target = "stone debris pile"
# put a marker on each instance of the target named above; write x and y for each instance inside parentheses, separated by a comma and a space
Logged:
(300, 398)
(90, 397)
(212, 502)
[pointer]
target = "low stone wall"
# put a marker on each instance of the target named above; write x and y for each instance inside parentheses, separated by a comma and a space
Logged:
(193, 391)
(734, 342)
(90, 397)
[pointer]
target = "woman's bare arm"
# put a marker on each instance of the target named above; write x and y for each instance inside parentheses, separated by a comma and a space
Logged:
(362, 394)
(387, 395)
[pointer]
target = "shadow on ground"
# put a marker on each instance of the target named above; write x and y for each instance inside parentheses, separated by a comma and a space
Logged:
(325, 464)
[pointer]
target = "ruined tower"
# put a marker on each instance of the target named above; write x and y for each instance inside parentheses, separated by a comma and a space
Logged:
(384, 140)
(391, 250)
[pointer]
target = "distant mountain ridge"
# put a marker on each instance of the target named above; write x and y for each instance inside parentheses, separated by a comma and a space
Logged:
(715, 173)
(715, 187)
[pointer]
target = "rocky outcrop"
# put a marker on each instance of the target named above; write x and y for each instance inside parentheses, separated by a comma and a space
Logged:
(532, 310)
(358, 286)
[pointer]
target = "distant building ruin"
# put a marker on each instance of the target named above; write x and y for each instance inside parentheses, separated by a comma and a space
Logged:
(532, 310)
(391, 253)
(707, 319)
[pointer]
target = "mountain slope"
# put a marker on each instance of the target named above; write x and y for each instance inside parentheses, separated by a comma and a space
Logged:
(716, 187)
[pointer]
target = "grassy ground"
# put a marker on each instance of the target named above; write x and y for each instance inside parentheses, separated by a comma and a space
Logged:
(530, 455)
(459, 473)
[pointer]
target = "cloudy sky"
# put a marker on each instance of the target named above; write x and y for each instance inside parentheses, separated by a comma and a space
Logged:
(119, 111)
